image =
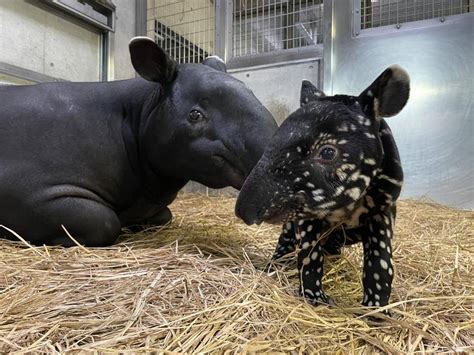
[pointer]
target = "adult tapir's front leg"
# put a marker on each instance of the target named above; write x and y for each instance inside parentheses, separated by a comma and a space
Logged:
(286, 242)
(310, 261)
(378, 262)
(144, 213)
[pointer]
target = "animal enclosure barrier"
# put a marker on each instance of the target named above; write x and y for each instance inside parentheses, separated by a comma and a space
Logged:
(185, 29)
(268, 26)
(190, 30)
(376, 13)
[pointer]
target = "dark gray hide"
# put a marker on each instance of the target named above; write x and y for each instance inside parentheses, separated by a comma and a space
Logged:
(333, 174)
(95, 157)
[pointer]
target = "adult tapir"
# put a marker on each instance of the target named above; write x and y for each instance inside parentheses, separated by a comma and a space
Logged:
(96, 157)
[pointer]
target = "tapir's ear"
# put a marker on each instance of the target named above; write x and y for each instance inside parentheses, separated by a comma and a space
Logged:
(309, 93)
(150, 61)
(216, 63)
(388, 94)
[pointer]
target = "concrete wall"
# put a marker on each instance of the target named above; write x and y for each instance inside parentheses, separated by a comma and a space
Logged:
(47, 42)
(33, 38)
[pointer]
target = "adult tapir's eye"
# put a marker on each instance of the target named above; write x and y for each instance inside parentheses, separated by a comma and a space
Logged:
(195, 116)
(326, 154)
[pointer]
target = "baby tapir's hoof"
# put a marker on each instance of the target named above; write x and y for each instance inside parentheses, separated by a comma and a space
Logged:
(316, 299)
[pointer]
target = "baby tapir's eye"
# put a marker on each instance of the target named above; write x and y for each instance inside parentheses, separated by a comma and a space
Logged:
(326, 154)
(195, 116)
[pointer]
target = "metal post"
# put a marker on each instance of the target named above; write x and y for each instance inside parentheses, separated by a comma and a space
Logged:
(328, 42)
(140, 17)
(223, 33)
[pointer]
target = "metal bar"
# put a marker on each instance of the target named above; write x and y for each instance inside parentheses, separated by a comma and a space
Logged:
(26, 74)
(356, 24)
(140, 17)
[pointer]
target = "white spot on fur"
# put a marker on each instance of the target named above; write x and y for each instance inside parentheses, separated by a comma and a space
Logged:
(353, 193)
(389, 179)
(383, 264)
(339, 190)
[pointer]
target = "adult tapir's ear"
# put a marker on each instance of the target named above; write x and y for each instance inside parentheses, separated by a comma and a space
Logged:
(216, 63)
(309, 93)
(388, 94)
(150, 61)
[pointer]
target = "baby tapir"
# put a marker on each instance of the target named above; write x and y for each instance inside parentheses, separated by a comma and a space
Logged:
(332, 173)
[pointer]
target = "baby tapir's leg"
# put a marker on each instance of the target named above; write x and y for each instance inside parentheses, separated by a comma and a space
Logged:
(378, 264)
(341, 237)
(286, 242)
(310, 261)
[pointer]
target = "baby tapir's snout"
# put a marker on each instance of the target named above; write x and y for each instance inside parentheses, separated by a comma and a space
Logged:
(332, 174)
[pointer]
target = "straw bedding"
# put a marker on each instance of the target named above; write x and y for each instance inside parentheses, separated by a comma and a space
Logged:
(204, 285)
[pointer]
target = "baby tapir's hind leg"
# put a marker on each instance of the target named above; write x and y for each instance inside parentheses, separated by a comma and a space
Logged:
(286, 242)
(341, 237)
(378, 263)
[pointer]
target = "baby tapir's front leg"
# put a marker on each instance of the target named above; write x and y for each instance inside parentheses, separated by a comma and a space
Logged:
(310, 261)
(378, 263)
(286, 242)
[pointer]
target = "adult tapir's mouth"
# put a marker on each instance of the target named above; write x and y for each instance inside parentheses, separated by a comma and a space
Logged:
(231, 171)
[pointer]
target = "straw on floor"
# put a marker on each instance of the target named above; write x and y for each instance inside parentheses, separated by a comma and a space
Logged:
(203, 284)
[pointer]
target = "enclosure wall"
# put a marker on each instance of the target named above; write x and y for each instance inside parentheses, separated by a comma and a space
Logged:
(42, 43)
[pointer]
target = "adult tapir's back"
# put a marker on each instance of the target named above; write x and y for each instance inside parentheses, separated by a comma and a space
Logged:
(94, 157)
(64, 134)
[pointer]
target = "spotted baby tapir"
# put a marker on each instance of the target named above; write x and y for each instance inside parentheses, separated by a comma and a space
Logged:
(332, 174)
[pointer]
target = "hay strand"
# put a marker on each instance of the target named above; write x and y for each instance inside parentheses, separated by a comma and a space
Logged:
(204, 284)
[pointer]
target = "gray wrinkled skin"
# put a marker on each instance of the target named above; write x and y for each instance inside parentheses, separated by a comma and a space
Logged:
(96, 157)
(332, 174)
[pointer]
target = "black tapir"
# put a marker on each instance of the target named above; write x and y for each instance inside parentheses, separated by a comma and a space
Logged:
(333, 172)
(95, 157)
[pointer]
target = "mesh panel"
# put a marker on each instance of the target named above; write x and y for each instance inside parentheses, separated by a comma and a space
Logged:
(261, 26)
(375, 13)
(185, 29)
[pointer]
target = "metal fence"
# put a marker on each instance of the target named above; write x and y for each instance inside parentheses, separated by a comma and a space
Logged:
(185, 29)
(261, 26)
(376, 13)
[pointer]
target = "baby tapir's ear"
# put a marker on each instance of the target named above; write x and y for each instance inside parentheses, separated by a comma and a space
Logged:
(150, 61)
(309, 93)
(388, 94)
(216, 63)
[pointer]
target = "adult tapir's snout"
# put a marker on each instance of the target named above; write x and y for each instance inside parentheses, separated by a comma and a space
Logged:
(252, 135)
(215, 127)
(255, 196)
